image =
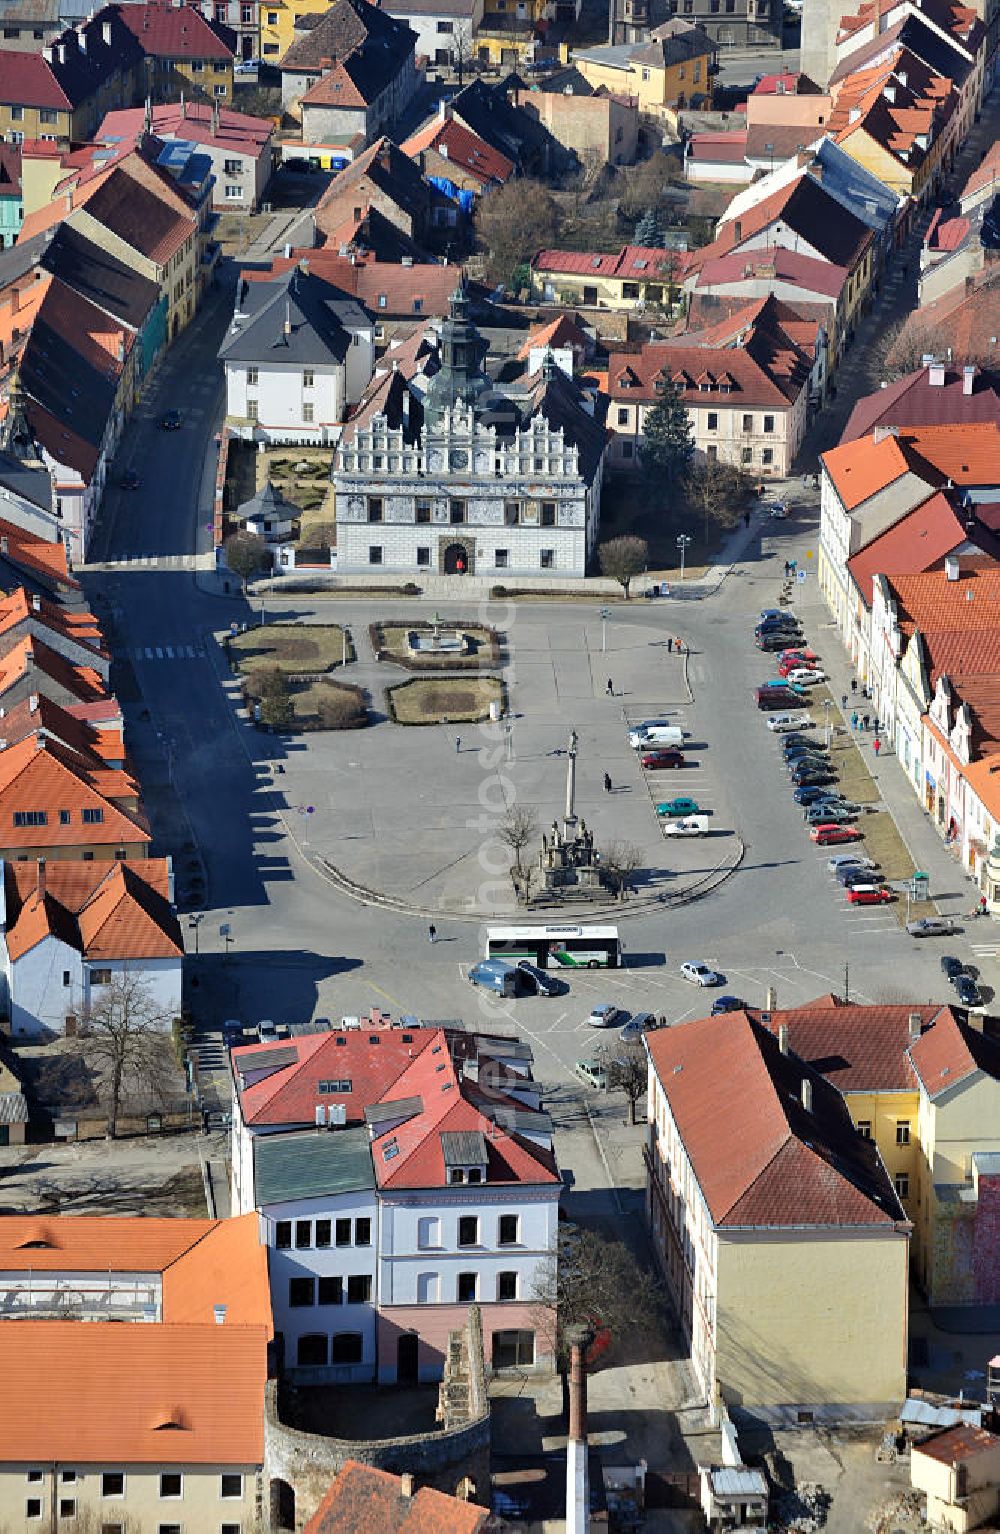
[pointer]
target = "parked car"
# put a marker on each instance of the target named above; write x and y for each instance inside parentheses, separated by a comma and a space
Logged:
(967, 991)
(802, 653)
(829, 835)
(852, 875)
(869, 894)
(799, 738)
(607, 1015)
(129, 480)
(772, 642)
(774, 696)
(701, 974)
(932, 926)
(593, 1073)
(656, 759)
(637, 1026)
(804, 748)
(171, 421)
(828, 814)
(776, 614)
(727, 1004)
(951, 967)
(777, 509)
(787, 724)
(812, 763)
(806, 796)
(682, 805)
(813, 777)
(806, 676)
(535, 981)
(842, 859)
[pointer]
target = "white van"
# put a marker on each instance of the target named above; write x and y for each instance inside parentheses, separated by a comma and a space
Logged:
(655, 735)
(691, 825)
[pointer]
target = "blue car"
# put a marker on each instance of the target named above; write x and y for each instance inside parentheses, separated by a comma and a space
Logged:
(727, 1004)
(805, 796)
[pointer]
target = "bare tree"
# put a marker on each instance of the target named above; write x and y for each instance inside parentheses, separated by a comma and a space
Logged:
(513, 224)
(627, 1070)
(718, 491)
(593, 1282)
(246, 555)
(622, 559)
(620, 861)
(462, 48)
(125, 1029)
(518, 828)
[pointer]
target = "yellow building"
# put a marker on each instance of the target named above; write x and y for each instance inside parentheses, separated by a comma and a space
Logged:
(775, 1224)
(277, 24)
(157, 1331)
(925, 1087)
(670, 71)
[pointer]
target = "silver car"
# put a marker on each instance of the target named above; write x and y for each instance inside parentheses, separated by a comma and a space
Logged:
(932, 926)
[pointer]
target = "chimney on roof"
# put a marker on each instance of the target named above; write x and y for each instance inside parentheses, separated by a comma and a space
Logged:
(807, 1094)
(81, 40)
(916, 1024)
(304, 267)
(40, 885)
(288, 318)
(69, 201)
(36, 602)
(783, 1038)
(61, 52)
(4, 545)
(33, 703)
(935, 375)
(968, 379)
(29, 659)
(406, 1486)
(952, 569)
(444, 111)
(772, 998)
(219, 1312)
(106, 33)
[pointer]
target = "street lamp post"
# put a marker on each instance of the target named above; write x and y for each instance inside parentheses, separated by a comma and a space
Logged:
(683, 539)
(605, 615)
(827, 705)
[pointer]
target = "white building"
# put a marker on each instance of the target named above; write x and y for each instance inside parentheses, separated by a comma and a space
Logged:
(445, 29)
(298, 353)
(67, 928)
(474, 482)
(402, 1174)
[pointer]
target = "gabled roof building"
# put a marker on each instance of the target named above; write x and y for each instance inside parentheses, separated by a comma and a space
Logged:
(472, 480)
(395, 1191)
(353, 72)
(779, 1233)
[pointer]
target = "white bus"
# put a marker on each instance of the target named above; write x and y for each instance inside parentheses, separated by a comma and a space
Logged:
(557, 947)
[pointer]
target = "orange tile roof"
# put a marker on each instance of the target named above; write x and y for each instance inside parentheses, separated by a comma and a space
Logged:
(95, 1243)
(127, 919)
(133, 1394)
(37, 555)
(43, 776)
(366, 1501)
(18, 607)
(917, 542)
(31, 655)
(966, 454)
(759, 1156)
(227, 1266)
(73, 882)
(860, 469)
(961, 1442)
(560, 332)
(37, 712)
(103, 910)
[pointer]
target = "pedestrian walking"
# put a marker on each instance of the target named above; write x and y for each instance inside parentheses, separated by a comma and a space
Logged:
(670, 646)
(854, 720)
(864, 721)
(432, 933)
(854, 685)
(843, 701)
(611, 688)
(876, 745)
(458, 744)
(786, 569)
(678, 646)
(607, 782)
(746, 519)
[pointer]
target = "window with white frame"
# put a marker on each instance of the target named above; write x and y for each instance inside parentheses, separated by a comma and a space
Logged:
(233, 193)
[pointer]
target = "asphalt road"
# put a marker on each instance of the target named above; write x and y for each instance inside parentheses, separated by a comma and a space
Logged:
(297, 948)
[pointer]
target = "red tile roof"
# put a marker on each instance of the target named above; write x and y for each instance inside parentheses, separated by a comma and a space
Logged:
(857, 1048)
(40, 775)
(36, 555)
(558, 334)
(945, 235)
(289, 1096)
(193, 121)
(969, 455)
(913, 401)
(919, 541)
(966, 321)
(632, 262)
(958, 1443)
(366, 1501)
(27, 79)
(718, 148)
(175, 31)
(19, 611)
(423, 289)
(455, 142)
(986, 176)
(775, 264)
(950, 1053)
(805, 208)
(100, 748)
(31, 654)
(759, 1156)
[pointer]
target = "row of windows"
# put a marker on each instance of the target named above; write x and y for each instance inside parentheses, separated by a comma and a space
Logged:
(89, 817)
(469, 1231)
(501, 558)
(318, 1233)
(467, 1288)
(902, 1130)
(113, 1482)
(513, 511)
(253, 374)
(308, 413)
(329, 1290)
(34, 1511)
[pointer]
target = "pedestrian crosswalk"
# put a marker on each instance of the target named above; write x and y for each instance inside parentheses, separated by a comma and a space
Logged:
(157, 562)
(167, 652)
(985, 950)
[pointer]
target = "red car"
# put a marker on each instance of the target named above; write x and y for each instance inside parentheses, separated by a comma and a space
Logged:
(869, 896)
(791, 659)
(826, 835)
(663, 759)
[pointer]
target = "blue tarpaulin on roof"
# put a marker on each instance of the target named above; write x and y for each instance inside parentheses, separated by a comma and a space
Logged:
(466, 200)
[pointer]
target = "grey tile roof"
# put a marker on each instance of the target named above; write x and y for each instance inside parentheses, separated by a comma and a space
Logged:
(13, 1108)
(463, 1147)
(311, 1163)
(402, 1108)
(22, 479)
(99, 276)
(295, 318)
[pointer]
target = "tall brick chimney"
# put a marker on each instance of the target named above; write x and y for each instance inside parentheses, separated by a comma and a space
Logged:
(577, 1477)
(41, 879)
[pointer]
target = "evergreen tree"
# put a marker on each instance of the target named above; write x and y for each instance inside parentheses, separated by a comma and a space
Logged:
(669, 445)
(648, 231)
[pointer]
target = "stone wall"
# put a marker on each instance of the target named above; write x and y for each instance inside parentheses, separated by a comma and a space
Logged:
(302, 1464)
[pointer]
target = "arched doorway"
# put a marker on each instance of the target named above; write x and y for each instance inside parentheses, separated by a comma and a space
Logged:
(456, 559)
(282, 1505)
(407, 1354)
